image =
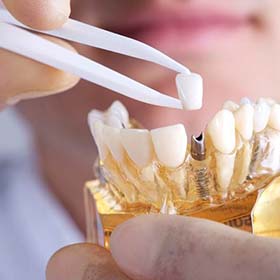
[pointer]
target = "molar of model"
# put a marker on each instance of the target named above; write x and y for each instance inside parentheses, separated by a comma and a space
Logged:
(274, 119)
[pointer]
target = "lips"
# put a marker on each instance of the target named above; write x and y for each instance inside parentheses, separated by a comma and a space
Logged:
(191, 30)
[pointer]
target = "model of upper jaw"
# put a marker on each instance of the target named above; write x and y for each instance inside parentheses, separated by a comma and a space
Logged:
(154, 167)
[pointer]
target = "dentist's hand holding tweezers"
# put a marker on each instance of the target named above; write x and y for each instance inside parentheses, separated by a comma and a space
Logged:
(20, 75)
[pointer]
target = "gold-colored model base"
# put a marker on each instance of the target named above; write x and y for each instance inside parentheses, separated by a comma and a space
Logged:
(101, 219)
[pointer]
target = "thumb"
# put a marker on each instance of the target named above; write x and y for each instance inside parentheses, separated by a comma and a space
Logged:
(182, 248)
(83, 262)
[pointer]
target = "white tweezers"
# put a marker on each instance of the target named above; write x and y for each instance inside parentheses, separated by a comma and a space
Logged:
(16, 39)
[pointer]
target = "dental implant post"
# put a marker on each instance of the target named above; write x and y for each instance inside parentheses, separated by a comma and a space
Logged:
(199, 171)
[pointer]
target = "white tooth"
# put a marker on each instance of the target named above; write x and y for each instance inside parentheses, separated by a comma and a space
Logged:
(97, 133)
(138, 144)
(190, 90)
(244, 164)
(114, 121)
(112, 137)
(231, 106)
(224, 170)
(261, 116)
(118, 109)
(222, 131)
(267, 100)
(274, 119)
(244, 120)
(93, 116)
(245, 100)
(170, 144)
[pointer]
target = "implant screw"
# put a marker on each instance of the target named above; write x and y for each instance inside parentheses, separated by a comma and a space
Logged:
(201, 172)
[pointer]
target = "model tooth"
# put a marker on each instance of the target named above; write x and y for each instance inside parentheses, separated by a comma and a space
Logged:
(138, 144)
(267, 100)
(97, 133)
(170, 144)
(245, 100)
(190, 90)
(119, 110)
(222, 131)
(244, 120)
(231, 106)
(112, 138)
(224, 170)
(274, 119)
(261, 116)
(245, 159)
(95, 115)
(114, 121)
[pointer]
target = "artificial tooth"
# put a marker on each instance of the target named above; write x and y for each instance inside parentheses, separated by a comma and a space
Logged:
(267, 100)
(244, 120)
(245, 100)
(245, 160)
(170, 144)
(190, 90)
(224, 170)
(94, 116)
(231, 106)
(138, 144)
(274, 119)
(119, 110)
(97, 132)
(222, 131)
(112, 138)
(261, 116)
(114, 121)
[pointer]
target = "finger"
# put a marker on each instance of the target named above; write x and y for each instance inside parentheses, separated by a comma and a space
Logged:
(83, 261)
(22, 78)
(180, 248)
(40, 14)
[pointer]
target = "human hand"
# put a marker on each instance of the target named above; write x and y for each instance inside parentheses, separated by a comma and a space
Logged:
(171, 247)
(22, 78)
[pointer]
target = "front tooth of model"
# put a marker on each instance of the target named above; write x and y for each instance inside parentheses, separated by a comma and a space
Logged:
(244, 120)
(231, 106)
(224, 170)
(261, 116)
(95, 115)
(97, 129)
(114, 120)
(138, 145)
(170, 144)
(274, 119)
(112, 138)
(222, 131)
(190, 90)
(118, 109)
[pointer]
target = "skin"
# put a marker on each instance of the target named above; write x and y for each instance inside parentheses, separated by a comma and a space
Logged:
(245, 65)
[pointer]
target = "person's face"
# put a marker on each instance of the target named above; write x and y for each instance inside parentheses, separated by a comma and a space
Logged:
(234, 45)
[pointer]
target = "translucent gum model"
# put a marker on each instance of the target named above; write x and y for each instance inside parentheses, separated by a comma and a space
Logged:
(218, 176)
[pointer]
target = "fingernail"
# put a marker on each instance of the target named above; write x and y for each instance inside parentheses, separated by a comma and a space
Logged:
(135, 246)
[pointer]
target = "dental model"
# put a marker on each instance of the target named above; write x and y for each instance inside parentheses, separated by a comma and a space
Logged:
(217, 176)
